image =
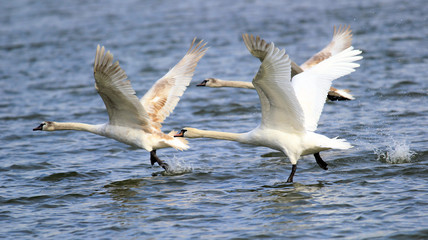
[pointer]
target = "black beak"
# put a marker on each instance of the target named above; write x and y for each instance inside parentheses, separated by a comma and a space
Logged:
(202, 84)
(39, 128)
(181, 134)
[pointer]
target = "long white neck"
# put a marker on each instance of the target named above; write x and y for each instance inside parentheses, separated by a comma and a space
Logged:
(58, 126)
(197, 133)
(237, 84)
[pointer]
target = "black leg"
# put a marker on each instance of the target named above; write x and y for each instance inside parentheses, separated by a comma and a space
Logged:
(154, 158)
(320, 162)
(293, 170)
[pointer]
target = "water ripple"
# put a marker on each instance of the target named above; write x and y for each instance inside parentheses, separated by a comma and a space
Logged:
(76, 185)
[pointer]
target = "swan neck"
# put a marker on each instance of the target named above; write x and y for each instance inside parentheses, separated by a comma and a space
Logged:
(238, 84)
(77, 126)
(217, 135)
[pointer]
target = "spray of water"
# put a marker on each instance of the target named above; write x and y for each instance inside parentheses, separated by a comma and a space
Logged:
(178, 166)
(398, 152)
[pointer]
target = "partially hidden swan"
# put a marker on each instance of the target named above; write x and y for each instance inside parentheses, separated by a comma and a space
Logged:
(133, 121)
(290, 109)
(342, 39)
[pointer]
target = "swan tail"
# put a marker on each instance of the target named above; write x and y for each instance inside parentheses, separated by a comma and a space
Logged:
(336, 143)
(321, 142)
(179, 143)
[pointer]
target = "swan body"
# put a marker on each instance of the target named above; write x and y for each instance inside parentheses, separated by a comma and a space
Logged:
(342, 39)
(290, 109)
(293, 144)
(133, 121)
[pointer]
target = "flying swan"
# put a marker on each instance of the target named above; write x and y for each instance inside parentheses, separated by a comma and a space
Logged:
(290, 109)
(342, 39)
(133, 121)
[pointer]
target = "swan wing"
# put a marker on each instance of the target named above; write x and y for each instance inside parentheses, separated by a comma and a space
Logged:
(256, 46)
(123, 106)
(342, 39)
(164, 95)
(311, 86)
(280, 107)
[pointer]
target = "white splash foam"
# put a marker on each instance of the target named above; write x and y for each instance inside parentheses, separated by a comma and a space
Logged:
(398, 152)
(178, 166)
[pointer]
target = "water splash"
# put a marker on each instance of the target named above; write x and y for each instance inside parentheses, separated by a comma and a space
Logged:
(178, 166)
(398, 152)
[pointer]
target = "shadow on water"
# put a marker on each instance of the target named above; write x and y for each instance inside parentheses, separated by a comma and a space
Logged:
(122, 190)
(291, 192)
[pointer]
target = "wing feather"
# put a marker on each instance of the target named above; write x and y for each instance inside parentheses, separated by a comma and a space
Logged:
(280, 107)
(123, 106)
(311, 86)
(342, 39)
(164, 95)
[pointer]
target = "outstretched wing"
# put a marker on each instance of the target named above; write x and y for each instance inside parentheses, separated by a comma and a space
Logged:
(164, 95)
(342, 39)
(123, 106)
(311, 86)
(280, 107)
(256, 46)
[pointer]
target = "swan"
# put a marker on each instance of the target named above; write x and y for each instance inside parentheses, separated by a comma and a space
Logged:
(342, 39)
(133, 121)
(290, 109)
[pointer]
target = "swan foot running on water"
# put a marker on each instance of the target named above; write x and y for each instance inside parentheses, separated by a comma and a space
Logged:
(155, 159)
(290, 109)
(133, 121)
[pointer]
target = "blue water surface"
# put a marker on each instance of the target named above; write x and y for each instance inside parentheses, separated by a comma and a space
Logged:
(75, 185)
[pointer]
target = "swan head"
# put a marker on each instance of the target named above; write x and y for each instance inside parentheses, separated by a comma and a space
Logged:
(187, 132)
(210, 82)
(45, 126)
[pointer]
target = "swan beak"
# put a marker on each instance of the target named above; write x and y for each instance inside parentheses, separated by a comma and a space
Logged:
(202, 84)
(181, 134)
(39, 128)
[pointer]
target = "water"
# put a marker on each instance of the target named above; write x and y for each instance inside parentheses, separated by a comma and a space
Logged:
(75, 185)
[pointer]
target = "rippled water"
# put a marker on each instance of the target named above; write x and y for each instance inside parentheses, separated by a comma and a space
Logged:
(75, 185)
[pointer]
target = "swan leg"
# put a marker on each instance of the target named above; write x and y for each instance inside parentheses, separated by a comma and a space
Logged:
(293, 171)
(154, 158)
(320, 162)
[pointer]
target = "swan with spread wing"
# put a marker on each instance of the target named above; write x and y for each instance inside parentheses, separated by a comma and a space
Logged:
(290, 108)
(133, 121)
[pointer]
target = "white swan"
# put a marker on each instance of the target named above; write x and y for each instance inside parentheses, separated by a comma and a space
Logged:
(342, 39)
(290, 110)
(132, 121)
